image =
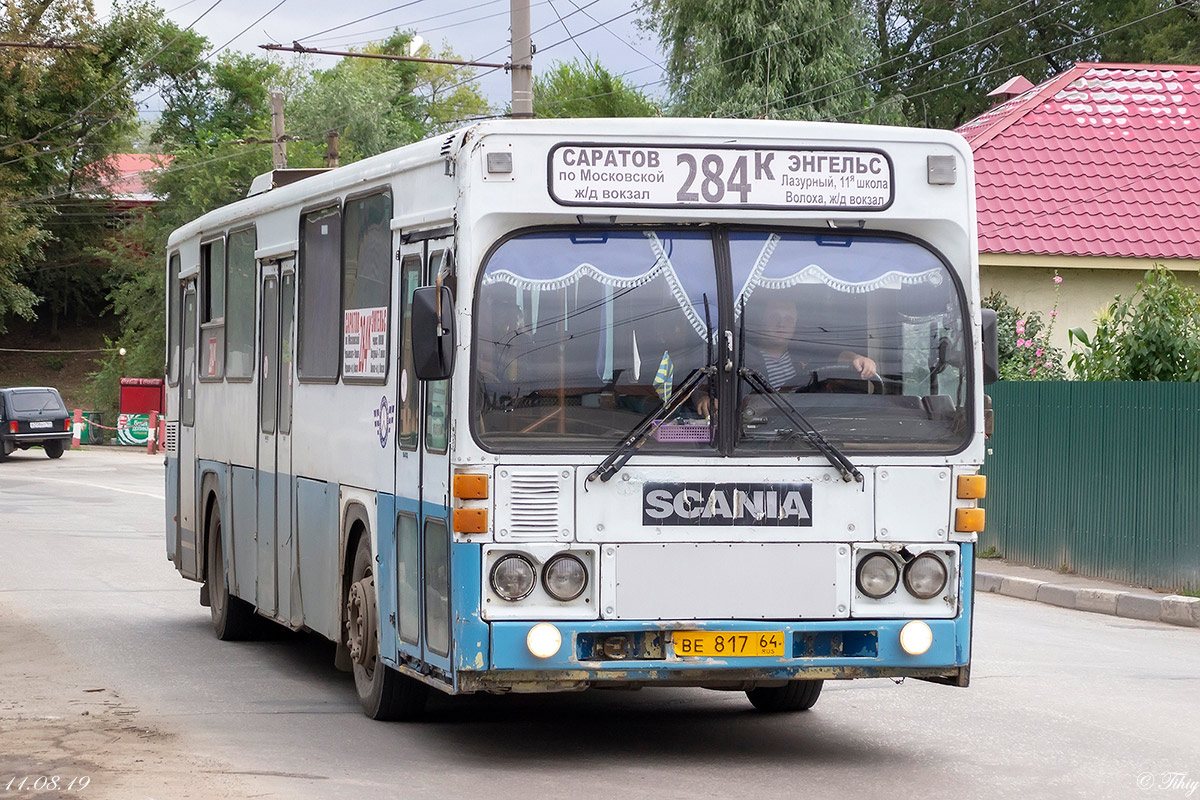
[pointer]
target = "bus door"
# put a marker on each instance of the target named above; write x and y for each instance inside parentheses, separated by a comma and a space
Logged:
(188, 561)
(423, 476)
(275, 542)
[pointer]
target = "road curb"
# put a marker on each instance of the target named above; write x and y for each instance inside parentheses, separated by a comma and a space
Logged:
(1174, 609)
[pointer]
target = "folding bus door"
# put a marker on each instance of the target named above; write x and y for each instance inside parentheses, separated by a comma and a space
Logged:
(423, 589)
(274, 449)
(436, 613)
(188, 561)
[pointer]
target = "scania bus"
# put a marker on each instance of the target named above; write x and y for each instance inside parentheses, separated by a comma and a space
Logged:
(544, 405)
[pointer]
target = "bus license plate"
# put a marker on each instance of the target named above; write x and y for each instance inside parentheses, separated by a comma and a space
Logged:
(727, 644)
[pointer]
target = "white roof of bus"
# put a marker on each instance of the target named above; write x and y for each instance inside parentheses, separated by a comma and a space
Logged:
(675, 129)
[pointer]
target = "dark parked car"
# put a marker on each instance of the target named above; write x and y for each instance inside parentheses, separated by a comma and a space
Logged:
(33, 415)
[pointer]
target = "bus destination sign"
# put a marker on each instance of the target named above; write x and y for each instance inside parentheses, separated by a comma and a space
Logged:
(720, 177)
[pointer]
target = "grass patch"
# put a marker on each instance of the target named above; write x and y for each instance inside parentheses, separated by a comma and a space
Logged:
(990, 552)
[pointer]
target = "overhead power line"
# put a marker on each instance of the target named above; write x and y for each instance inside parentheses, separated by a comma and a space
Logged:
(296, 47)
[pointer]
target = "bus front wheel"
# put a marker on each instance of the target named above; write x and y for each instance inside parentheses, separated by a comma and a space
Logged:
(232, 617)
(793, 696)
(384, 693)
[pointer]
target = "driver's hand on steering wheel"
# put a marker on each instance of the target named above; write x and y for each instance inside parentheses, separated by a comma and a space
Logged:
(865, 366)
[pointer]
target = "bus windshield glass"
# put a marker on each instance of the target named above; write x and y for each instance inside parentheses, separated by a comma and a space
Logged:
(580, 335)
(862, 335)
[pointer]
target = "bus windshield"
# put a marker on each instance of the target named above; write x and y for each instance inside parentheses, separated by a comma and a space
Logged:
(580, 335)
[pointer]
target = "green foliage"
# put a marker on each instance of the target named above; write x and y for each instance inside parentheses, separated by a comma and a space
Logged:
(1152, 335)
(1023, 340)
(572, 89)
(786, 59)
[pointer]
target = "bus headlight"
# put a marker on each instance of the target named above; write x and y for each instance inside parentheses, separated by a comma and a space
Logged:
(916, 638)
(925, 576)
(513, 577)
(878, 576)
(564, 577)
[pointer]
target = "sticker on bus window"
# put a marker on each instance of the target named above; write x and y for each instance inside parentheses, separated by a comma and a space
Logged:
(721, 176)
(364, 343)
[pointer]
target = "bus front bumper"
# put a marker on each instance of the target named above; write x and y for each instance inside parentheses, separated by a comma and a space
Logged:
(598, 653)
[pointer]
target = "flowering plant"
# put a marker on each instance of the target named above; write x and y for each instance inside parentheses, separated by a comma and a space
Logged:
(1024, 340)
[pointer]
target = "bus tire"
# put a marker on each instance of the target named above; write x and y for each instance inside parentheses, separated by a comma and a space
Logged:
(233, 618)
(383, 692)
(794, 696)
(53, 449)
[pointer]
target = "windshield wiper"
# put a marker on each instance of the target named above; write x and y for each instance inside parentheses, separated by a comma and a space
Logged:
(638, 436)
(835, 456)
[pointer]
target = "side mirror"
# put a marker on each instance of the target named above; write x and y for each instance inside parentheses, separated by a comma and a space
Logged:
(991, 347)
(433, 337)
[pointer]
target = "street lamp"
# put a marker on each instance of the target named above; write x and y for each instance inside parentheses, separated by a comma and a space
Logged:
(122, 353)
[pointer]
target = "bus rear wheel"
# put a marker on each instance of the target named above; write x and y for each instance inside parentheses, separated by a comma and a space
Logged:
(383, 692)
(232, 617)
(793, 696)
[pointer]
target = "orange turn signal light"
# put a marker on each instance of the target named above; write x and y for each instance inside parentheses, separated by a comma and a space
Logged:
(972, 487)
(968, 520)
(471, 487)
(470, 520)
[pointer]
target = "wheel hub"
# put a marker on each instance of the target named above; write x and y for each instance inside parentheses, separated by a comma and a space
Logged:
(360, 621)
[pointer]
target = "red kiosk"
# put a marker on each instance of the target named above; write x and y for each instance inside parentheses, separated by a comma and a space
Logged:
(140, 398)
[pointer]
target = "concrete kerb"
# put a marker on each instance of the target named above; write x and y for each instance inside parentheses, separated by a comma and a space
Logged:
(1174, 609)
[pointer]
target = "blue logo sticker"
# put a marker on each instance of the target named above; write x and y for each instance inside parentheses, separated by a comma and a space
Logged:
(385, 418)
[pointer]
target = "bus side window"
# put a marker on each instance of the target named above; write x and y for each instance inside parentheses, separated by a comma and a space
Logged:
(410, 390)
(319, 323)
(174, 323)
(240, 293)
(366, 287)
(212, 310)
(437, 393)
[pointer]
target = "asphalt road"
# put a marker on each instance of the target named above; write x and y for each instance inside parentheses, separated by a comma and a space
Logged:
(1063, 704)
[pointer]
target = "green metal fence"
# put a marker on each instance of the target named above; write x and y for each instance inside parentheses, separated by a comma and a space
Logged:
(1099, 478)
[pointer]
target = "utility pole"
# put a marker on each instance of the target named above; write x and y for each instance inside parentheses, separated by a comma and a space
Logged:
(331, 148)
(279, 146)
(522, 60)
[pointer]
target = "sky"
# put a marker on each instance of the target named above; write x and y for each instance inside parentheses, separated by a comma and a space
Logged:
(476, 29)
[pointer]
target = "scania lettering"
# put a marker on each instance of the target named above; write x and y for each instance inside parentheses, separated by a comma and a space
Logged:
(544, 405)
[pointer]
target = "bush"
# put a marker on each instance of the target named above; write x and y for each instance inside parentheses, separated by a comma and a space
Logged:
(1024, 342)
(1152, 335)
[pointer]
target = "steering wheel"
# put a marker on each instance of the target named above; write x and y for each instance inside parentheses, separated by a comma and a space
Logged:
(842, 378)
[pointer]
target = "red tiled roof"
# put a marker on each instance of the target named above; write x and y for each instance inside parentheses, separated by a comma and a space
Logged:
(126, 175)
(1103, 160)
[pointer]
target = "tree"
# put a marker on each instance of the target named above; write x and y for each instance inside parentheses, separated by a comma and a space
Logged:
(571, 89)
(944, 57)
(757, 58)
(62, 113)
(1152, 335)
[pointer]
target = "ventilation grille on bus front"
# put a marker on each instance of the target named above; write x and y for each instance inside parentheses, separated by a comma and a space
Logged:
(534, 505)
(172, 439)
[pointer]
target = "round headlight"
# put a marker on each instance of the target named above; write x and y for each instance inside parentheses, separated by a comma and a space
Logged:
(925, 576)
(564, 577)
(513, 577)
(877, 576)
(916, 637)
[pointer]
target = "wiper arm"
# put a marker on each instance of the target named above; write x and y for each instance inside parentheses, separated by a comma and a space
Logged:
(835, 456)
(638, 436)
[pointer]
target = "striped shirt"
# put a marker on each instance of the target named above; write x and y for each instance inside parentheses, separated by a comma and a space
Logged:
(780, 369)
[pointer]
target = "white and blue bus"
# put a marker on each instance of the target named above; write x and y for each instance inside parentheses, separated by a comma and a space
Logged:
(549, 405)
